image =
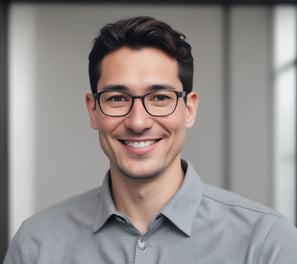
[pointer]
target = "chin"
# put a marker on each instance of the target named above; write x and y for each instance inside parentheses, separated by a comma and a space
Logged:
(143, 175)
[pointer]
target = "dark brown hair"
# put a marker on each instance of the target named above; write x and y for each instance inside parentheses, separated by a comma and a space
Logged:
(139, 32)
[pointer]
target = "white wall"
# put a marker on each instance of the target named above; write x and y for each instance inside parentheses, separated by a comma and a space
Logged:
(285, 51)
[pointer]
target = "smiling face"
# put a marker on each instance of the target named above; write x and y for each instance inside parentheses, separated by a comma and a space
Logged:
(139, 145)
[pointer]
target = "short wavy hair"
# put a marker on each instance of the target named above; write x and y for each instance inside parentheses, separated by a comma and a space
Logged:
(139, 32)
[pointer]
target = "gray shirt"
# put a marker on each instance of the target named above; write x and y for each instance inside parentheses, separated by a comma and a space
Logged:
(201, 224)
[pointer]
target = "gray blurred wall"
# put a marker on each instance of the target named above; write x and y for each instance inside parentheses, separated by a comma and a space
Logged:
(55, 154)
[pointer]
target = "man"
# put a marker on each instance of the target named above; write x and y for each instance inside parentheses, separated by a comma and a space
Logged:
(152, 206)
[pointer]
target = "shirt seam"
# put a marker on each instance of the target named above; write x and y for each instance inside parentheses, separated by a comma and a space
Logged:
(72, 202)
(30, 249)
(265, 239)
(245, 207)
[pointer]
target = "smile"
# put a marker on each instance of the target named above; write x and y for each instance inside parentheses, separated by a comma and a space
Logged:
(140, 144)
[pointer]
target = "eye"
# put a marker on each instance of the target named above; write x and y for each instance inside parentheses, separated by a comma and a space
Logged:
(163, 97)
(115, 97)
(159, 97)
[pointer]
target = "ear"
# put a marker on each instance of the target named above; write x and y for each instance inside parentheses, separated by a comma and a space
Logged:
(90, 102)
(191, 109)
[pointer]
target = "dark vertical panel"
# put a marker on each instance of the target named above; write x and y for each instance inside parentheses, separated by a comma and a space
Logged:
(295, 65)
(169, 2)
(3, 130)
(296, 145)
(226, 95)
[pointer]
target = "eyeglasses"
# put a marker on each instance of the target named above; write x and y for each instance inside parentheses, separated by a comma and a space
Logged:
(157, 103)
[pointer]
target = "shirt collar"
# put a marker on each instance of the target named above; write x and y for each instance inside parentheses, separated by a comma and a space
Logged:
(105, 207)
(180, 210)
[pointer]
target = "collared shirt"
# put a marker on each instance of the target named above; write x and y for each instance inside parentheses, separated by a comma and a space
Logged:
(200, 224)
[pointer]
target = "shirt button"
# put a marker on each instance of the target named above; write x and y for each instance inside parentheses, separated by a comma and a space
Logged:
(141, 244)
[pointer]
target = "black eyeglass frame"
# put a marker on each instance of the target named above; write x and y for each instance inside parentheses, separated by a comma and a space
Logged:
(178, 94)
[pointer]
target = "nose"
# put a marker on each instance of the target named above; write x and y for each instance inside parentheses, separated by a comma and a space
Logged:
(138, 120)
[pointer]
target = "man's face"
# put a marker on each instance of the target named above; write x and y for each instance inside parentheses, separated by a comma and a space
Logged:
(139, 145)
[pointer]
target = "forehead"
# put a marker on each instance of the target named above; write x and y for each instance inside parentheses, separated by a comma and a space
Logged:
(138, 67)
(141, 51)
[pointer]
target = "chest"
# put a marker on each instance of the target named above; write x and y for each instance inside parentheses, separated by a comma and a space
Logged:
(166, 245)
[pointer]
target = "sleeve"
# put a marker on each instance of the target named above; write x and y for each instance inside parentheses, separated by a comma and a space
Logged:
(19, 249)
(280, 245)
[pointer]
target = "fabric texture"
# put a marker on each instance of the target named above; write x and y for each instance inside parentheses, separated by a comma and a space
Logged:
(200, 224)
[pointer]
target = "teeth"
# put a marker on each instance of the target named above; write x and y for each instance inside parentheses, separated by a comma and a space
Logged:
(139, 144)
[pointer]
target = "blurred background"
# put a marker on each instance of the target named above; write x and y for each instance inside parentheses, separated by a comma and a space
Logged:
(244, 139)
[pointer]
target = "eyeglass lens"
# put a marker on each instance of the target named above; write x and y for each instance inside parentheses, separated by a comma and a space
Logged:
(160, 103)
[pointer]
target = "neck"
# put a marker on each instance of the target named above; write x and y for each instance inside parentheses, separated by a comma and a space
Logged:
(142, 199)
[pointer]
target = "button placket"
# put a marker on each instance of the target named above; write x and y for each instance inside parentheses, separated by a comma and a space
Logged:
(141, 244)
(143, 252)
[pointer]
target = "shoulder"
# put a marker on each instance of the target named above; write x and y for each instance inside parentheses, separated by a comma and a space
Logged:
(54, 229)
(214, 196)
(79, 208)
(252, 223)
(67, 220)
(238, 213)
(218, 205)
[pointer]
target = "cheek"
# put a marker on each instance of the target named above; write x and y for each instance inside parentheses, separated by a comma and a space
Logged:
(179, 126)
(177, 121)
(106, 124)
(175, 125)
(105, 139)
(104, 130)
(107, 128)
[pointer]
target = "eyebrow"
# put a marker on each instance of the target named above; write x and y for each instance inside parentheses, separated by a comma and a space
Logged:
(158, 87)
(151, 88)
